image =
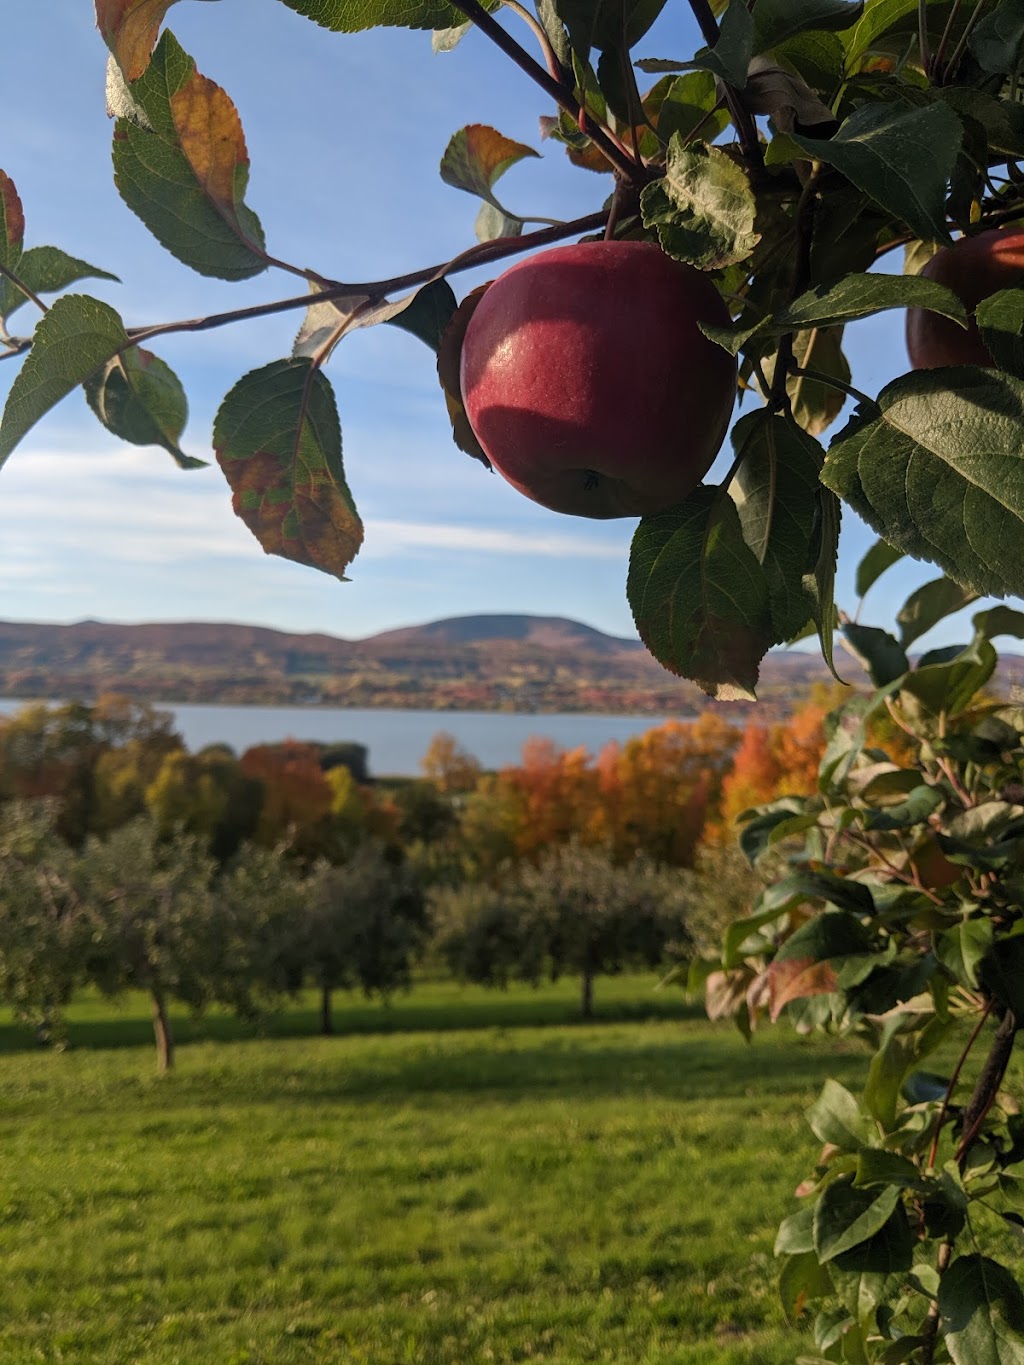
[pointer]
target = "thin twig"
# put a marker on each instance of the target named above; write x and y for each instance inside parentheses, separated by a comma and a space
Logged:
(550, 55)
(803, 372)
(940, 51)
(944, 1110)
(961, 47)
(805, 211)
(482, 254)
(922, 35)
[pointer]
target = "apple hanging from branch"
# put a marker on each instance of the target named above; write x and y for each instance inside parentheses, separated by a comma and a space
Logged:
(589, 384)
(974, 268)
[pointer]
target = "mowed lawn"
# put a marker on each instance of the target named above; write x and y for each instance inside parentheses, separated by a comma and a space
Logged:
(460, 1177)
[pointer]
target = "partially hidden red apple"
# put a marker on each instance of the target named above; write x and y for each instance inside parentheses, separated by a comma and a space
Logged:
(589, 384)
(974, 268)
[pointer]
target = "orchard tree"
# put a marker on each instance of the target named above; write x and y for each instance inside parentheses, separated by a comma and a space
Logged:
(362, 925)
(150, 914)
(42, 930)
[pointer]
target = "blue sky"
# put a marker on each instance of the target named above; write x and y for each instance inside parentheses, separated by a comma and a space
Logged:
(345, 134)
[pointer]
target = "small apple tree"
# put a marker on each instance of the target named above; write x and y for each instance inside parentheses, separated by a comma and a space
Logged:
(893, 913)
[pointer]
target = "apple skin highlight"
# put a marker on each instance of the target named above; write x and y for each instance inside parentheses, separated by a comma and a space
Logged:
(974, 268)
(589, 384)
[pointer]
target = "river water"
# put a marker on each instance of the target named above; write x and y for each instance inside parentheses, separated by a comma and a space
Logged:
(396, 740)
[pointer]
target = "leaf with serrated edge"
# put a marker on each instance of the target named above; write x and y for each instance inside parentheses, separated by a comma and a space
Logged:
(900, 158)
(938, 471)
(703, 209)
(186, 178)
(139, 398)
(424, 312)
(47, 270)
(775, 492)
(353, 16)
(477, 156)
(278, 441)
(74, 338)
(1000, 320)
(699, 596)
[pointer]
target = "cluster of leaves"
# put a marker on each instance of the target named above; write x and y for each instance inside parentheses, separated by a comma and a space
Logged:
(893, 912)
(859, 128)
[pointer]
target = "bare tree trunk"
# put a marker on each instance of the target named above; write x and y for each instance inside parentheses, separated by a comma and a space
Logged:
(162, 1032)
(587, 1002)
(326, 1021)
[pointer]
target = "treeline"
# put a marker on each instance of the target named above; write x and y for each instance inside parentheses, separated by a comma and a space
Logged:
(127, 862)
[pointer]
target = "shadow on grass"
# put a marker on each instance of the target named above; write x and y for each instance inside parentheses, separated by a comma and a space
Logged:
(354, 1017)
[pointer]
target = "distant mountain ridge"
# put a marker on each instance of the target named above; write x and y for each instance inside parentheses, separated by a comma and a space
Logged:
(506, 662)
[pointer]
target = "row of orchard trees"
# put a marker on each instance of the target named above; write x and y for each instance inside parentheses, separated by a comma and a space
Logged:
(128, 863)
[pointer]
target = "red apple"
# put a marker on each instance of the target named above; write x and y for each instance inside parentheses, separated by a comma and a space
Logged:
(974, 268)
(589, 384)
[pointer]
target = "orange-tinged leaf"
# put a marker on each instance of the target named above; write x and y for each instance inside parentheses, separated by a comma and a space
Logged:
(210, 135)
(130, 29)
(477, 156)
(797, 978)
(278, 441)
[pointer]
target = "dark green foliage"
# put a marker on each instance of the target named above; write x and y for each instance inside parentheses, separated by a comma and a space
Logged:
(897, 917)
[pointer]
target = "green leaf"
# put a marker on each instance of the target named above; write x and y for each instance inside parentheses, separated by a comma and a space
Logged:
(881, 19)
(775, 492)
(186, 175)
(606, 24)
(982, 1313)
(685, 104)
(900, 158)
(731, 54)
(704, 207)
(1002, 120)
(861, 296)
(889, 1066)
(278, 441)
(997, 41)
(998, 621)
(962, 948)
(847, 1217)
(352, 16)
(72, 340)
(48, 270)
(880, 557)
(950, 687)
(755, 835)
(836, 1118)
(877, 1167)
(491, 223)
(796, 1234)
(815, 404)
(938, 471)
(1002, 972)
(428, 313)
(855, 296)
(1000, 320)
(477, 156)
(802, 1280)
(698, 595)
(139, 398)
(878, 651)
(820, 579)
(929, 605)
(776, 21)
(829, 937)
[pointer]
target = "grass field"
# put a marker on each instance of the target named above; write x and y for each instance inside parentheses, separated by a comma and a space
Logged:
(462, 1177)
